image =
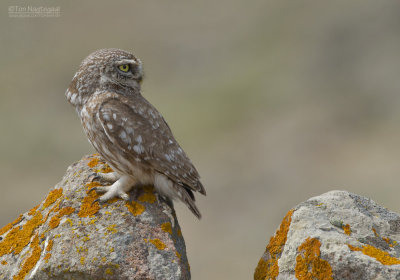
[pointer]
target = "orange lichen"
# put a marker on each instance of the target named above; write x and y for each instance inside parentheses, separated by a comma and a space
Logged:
(167, 227)
(390, 242)
(52, 197)
(89, 208)
(55, 221)
(112, 228)
(50, 245)
(376, 234)
(31, 261)
(10, 225)
(93, 162)
(309, 259)
(19, 237)
(157, 242)
(47, 257)
(346, 229)
(3, 262)
(135, 208)
(147, 197)
(381, 256)
(269, 269)
(106, 169)
(33, 210)
(178, 254)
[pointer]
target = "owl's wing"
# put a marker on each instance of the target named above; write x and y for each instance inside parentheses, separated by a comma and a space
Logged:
(140, 131)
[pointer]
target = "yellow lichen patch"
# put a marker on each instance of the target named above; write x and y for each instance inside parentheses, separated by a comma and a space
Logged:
(178, 254)
(106, 169)
(390, 242)
(89, 208)
(309, 265)
(52, 197)
(167, 227)
(92, 185)
(179, 232)
(19, 237)
(10, 225)
(147, 197)
(269, 269)
(55, 221)
(82, 260)
(346, 229)
(3, 262)
(135, 208)
(109, 271)
(33, 210)
(373, 252)
(50, 245)
(112, 228)
(31, 261)
(157, 242)
(47, 257)
(112, 200)
(93, 162)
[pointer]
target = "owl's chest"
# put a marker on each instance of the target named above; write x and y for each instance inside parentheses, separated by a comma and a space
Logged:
(89, 122)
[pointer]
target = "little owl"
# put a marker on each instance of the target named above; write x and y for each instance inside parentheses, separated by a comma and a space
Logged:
(128, 132)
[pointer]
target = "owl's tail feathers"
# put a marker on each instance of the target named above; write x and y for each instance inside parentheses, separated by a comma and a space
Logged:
(188, 198)
(201, 190)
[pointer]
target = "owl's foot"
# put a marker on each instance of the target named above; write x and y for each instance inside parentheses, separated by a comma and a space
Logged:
(107, 177)
(119, 189)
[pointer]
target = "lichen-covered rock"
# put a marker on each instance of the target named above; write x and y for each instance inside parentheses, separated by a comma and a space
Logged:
(68, 237)
(338, 235)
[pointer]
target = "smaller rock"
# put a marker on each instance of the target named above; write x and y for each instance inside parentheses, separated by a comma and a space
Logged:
(337, 235)
(67, 236)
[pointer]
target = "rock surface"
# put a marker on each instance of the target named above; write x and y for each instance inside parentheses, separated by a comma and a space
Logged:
(68, 237)
(338, 235)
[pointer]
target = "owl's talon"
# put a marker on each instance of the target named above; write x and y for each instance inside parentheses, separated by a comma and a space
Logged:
(96, 200)
(92, 189)
(94, 176)
(110, 177)
(125, 196)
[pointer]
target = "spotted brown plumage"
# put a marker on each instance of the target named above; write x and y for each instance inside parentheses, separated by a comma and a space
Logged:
(127, 131)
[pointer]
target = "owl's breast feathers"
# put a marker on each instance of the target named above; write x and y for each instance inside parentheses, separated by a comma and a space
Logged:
(139, 136)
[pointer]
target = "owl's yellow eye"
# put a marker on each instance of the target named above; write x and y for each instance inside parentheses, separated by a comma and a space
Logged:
(124, 67)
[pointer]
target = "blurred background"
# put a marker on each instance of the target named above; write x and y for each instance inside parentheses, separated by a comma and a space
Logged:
(274, 101)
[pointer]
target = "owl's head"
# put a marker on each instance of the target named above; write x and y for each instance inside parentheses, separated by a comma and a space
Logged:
(105, 70)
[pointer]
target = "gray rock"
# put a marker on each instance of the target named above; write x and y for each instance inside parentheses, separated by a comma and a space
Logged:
(337, 235)
(68, 237)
